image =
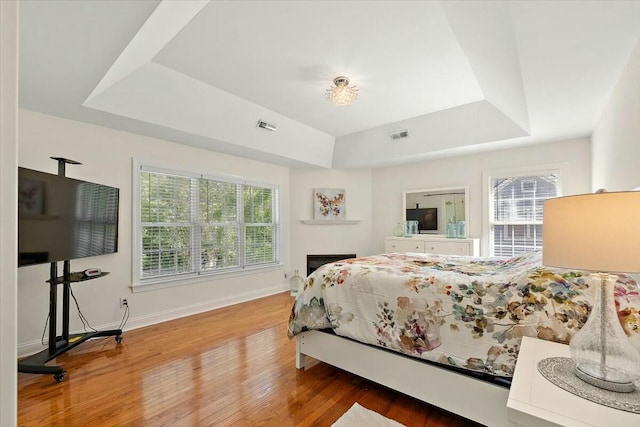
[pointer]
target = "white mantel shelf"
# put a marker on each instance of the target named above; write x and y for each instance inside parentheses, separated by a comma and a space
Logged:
(330, 221)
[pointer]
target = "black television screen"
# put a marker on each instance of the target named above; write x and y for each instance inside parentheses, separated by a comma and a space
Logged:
(427, 218)
(61, 218)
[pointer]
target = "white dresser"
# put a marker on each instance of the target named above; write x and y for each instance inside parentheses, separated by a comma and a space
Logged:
(433, 245)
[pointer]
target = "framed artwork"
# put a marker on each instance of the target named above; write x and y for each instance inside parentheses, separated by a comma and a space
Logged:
(329, 203)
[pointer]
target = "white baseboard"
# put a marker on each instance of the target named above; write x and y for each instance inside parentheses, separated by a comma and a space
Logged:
(164, 316)
(32, 347)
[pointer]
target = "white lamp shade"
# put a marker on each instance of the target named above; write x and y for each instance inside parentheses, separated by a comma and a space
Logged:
(594, 232)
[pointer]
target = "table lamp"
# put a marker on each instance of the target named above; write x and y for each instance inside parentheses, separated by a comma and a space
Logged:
(600, 233)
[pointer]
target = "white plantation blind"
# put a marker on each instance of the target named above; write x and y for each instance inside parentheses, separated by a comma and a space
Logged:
(218, 232)
(516, 206)
(165, 223)
(192, 224)
(258, 219)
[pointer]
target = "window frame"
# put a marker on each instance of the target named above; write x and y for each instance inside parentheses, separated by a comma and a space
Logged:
(140, 284)
(487, 176)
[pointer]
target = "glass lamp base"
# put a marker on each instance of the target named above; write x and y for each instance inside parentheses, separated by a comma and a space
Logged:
(588, 374)
(603, 354)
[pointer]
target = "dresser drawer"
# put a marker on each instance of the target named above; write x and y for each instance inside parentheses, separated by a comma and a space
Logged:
(448, 247)
(403, 245)
(439, 246)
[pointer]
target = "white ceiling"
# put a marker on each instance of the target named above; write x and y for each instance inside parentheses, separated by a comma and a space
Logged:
(460, 76)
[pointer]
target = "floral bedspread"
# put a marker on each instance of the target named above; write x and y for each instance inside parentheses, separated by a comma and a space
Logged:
(462, 311)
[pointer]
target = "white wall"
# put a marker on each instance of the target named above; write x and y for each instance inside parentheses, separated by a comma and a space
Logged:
(107, 155)
(616, 138)
(8, 211)
(330, 239)
(388, 183)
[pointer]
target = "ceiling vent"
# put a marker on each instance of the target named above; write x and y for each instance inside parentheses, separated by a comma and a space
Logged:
(266, 126)
(400, 134)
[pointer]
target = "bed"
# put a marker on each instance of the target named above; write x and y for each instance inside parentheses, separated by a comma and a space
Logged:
(444, 329)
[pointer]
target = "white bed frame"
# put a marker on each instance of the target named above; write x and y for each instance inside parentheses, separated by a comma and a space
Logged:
(472, 398)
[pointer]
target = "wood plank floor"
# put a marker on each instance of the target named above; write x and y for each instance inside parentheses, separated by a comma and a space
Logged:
(229, 367)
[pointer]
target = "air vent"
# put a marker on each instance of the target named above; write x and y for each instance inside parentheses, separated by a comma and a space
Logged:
(266, 126)
(400, 134)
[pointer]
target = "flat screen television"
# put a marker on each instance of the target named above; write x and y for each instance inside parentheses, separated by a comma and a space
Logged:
(427, 218)
(62, 218)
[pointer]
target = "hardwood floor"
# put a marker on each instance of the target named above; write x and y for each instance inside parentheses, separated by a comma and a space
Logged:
(229, 367)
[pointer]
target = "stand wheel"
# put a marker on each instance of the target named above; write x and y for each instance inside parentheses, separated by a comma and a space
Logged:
(118, 339)
(59, 377)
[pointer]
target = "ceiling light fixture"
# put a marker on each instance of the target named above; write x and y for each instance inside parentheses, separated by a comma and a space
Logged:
(342, 94)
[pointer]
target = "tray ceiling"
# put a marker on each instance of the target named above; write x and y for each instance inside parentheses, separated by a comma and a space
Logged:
(459, 76)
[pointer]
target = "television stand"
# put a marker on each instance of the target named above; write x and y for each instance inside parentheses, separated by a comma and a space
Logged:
(36, 364)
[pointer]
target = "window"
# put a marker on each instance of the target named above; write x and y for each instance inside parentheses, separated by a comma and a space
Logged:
(515, 210)
(191, 224)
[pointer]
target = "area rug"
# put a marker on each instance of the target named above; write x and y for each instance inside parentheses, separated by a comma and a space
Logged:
(358, 416)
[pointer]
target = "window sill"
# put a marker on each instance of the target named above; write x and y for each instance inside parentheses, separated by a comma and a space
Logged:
(191, 279)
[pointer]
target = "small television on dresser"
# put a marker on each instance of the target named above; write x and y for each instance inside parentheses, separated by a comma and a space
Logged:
(427, 219)
(62, 218)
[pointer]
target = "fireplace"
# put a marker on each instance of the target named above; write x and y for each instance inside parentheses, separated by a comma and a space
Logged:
(315, 261)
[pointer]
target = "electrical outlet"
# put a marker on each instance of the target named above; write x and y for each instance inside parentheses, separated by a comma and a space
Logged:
(124, 302)
(286, 274)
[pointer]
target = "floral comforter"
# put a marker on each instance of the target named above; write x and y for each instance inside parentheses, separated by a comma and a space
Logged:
(463, 311)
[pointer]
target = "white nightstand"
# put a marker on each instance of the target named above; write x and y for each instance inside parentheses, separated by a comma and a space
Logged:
(534, 401)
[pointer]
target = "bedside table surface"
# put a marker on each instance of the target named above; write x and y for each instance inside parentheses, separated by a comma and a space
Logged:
(535, 401)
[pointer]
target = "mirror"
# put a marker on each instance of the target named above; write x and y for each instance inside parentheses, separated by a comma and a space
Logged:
(440, 212)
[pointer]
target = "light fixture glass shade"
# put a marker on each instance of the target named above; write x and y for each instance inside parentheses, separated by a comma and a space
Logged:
(602, 352)
(342, 94)
(600, 233)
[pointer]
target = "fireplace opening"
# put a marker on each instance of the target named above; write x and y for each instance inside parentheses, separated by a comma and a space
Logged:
(315, 261)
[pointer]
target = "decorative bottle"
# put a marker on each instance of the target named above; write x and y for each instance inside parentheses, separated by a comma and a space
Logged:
(452, 229)
(295, 283)
(410, 228)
